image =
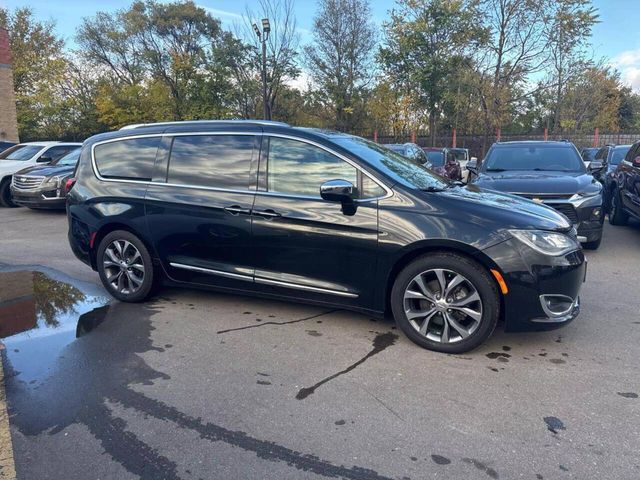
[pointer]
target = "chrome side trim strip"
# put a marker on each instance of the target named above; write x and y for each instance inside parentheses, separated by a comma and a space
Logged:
(268, 281)
(236, 276)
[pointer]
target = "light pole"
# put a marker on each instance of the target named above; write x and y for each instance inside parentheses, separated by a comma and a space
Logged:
(263, 36)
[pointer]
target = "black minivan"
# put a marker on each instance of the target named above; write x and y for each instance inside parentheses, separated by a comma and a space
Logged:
(263, 208)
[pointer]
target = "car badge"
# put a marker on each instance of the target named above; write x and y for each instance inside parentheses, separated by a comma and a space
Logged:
(537, 200)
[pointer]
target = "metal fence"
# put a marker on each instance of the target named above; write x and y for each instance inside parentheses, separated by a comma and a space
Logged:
(476, 142)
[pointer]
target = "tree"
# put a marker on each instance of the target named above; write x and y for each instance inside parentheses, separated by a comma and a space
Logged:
(151, 43)
(340, 59)
(426, 43)
(568, 31)
(38, 67)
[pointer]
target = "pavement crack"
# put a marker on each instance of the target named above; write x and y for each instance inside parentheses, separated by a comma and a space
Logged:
(247, 327)
(380, 342)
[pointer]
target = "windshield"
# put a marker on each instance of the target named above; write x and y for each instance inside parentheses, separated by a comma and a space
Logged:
(20, 152)
(402, 169)
(436, 158)
(618, 154)
(533, 157)
(460, 154)
(70, 159)
(588, 154)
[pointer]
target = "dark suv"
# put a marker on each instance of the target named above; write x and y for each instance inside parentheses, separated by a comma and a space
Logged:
(625, 188)
(551, 173)
(610, 156)
(266, 209)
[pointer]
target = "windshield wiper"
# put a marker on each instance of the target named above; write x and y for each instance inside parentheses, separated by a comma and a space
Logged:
(432, 189)
(496, 169)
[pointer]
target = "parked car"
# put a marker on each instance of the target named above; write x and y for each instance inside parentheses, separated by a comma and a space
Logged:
(610, 156)
(444, 162)
(625, 188)
(410, 150)
(5, 145)
(25, 155)
(43, 186)
(551, 173)
(462, 157)
(588, 154)
(263, 208)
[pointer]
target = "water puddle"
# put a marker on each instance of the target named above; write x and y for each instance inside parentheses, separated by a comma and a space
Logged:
(39, 316)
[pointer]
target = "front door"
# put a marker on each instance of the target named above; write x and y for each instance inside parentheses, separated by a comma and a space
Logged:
(305, 246)
(200, 218)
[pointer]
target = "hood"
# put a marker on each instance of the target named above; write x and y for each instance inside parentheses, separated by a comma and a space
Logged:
(47, 170)
(532, 182)
(509, 211)
(12, 166)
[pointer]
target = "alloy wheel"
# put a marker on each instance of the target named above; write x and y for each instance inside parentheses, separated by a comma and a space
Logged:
(123, 267)
(443, 305)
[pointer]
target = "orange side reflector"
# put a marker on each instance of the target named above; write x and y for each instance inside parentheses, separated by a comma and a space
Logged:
(501, 282)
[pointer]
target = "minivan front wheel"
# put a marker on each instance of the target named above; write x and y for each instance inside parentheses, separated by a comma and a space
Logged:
(125, 266)
(445, 302)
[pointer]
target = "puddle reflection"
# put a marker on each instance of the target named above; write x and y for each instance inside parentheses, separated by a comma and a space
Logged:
(39, 316)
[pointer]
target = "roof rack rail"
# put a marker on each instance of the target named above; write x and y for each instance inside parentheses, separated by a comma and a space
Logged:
(180, 122)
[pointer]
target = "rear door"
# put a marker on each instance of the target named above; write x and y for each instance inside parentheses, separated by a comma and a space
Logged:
(199, 207)
(305, 246)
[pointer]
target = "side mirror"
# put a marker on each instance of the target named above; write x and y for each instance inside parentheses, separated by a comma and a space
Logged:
(596, 166)
(338, 191)
(44, 159)
(636, 162)
(472, 165)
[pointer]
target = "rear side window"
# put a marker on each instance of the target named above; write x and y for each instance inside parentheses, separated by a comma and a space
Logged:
(130, 159)
(218, 161)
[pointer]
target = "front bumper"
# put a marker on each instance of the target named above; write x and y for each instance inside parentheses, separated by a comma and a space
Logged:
(531, 278)
(39, 198)
(586, 214)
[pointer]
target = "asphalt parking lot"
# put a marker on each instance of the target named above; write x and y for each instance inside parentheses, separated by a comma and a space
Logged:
(200, 385)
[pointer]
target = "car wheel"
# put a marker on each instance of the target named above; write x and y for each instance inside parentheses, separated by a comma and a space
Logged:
(5, 194)
(593, 245)
(445, 302)
(617, 216)
(125, 266)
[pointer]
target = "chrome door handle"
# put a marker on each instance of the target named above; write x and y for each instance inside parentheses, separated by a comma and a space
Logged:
(237, 210)
(268, 213)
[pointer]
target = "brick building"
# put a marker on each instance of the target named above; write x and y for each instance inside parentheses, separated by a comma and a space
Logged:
(8, 118)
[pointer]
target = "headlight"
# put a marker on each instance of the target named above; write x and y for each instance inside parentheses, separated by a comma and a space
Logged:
(547, 243)
(54, 181)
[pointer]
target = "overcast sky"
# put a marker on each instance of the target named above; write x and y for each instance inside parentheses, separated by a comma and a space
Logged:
(616, 37)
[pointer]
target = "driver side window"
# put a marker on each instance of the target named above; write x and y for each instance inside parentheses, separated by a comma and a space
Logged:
(299, 168)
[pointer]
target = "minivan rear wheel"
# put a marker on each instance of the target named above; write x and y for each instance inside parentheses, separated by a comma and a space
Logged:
(125, 266)
(445, 302)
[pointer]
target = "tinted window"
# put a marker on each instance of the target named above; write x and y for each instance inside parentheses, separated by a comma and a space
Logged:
(54, 153)
(400, 168)
(370, 189)
(459, 153)
(70, 159)
(20, 152)
(127, 159)
(299, 168)
(533, 157)
(436, 158)
(618, 154)
(218, 161)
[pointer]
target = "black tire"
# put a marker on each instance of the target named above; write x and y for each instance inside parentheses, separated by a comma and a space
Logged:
(593, 245)
(5, 194)
(141, 292)
(474, 273)
(617, 216)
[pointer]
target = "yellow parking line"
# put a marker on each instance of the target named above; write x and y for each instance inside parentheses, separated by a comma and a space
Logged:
(7, 465)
